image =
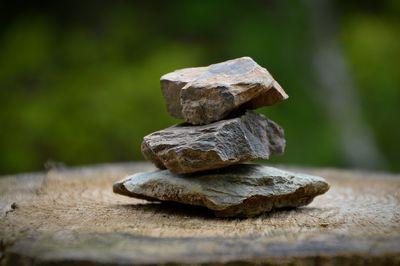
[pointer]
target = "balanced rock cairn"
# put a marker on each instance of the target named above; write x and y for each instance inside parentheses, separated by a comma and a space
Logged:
(204, 157)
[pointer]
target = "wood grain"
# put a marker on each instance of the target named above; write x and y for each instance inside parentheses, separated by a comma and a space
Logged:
(71, 215)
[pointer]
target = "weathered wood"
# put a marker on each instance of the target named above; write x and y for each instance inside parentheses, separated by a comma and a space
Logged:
(71, 215)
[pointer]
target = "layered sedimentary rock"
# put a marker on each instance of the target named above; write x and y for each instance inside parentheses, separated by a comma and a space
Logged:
(206, 94)
(238, 190)
(187, 149)
(204, 157)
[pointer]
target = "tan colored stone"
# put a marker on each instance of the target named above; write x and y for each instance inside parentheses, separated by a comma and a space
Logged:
(206, 94)
(172, 84)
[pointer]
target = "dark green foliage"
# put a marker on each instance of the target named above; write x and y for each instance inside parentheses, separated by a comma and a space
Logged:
(79, 83)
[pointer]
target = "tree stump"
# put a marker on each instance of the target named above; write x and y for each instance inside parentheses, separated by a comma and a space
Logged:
(71, 216)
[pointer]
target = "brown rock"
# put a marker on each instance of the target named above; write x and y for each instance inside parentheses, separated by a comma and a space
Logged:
(207, 94)
(187, 149)
(238, 190)
(172, 84)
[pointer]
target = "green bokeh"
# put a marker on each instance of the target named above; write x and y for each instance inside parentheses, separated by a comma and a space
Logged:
(80, 84)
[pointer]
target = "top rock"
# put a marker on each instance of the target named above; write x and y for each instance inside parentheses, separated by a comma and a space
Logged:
(203, 95)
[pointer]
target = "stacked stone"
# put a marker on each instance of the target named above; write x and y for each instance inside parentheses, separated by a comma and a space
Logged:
(204, 157)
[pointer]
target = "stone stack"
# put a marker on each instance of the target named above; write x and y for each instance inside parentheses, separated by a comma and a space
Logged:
(204, 157)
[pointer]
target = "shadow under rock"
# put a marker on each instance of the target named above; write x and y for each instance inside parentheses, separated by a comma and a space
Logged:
(172, 208)
(192, 211)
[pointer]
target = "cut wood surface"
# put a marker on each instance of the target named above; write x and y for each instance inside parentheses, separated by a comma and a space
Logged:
(71, 216)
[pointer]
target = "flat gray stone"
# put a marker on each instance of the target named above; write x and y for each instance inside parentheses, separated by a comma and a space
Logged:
(186, 149)
(203, 95)
(242, 190)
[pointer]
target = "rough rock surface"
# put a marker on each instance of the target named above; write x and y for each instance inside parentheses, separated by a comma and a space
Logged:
(172, 84)
(187, 149)
(239, 190)
(206, 94)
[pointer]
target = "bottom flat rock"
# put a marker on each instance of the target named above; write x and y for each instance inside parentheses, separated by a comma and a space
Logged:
(242, 190)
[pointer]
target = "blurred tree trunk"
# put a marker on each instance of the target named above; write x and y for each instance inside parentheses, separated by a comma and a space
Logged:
(337, 91)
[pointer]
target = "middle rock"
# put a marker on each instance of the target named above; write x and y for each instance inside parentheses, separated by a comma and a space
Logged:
(187, 149)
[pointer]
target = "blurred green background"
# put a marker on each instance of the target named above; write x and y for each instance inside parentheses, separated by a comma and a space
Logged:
(79, 80)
